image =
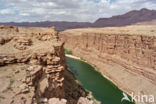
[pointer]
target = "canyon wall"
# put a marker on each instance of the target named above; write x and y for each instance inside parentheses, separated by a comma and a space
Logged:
(126, 59)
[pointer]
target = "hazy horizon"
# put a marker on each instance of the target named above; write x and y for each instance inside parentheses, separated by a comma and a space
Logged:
(63, 10)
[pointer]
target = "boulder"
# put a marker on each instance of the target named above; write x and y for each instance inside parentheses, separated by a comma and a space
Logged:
(83, 100)
(22, 43)
(57, 101)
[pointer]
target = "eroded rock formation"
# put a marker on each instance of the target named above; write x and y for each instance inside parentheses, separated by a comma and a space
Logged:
(123, 55)
(9, 27)
(44, 80)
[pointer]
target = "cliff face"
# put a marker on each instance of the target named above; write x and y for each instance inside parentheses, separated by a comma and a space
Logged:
(137, 49)
(44, 78)
(115, 52)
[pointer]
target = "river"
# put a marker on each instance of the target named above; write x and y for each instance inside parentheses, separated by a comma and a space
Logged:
(102, 89)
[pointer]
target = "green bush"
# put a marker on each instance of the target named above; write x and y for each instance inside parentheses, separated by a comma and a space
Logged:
(66, 51)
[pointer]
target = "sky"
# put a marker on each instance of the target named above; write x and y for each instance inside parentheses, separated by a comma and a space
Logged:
(67, 10)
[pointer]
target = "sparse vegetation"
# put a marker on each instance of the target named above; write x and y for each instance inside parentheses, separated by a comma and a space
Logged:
(67, 51)
(82, 59)
(24, 67)
(9, 76)
(9, 87)
(2, 97)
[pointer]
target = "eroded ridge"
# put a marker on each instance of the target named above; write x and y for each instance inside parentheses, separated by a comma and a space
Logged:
(42, 78)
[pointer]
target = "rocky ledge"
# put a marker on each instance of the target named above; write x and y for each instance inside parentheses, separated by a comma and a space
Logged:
(35, 65)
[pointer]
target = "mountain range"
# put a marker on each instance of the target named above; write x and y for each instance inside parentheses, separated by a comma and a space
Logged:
(132, 17)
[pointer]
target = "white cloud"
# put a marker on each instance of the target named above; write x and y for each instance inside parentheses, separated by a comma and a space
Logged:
(65, 10)
(5, 11)
(44, 4)
(24, 14)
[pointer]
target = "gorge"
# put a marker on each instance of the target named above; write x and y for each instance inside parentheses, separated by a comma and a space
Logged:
(124, 55)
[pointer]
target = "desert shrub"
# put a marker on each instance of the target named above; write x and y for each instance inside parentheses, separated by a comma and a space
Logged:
(66, 51)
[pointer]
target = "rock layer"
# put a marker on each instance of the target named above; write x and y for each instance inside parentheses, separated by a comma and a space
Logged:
(125, 58)
(45, 81)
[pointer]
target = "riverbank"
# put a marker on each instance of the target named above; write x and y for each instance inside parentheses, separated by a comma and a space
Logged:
(89, 96)
(96, 69)
(102, 89)
(74, 57)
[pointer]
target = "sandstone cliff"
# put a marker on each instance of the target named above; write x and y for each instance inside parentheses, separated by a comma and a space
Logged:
(125, 55)
(33, 60)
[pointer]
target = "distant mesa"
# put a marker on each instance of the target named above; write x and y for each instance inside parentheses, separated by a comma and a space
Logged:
(129, 18)
(132, 17)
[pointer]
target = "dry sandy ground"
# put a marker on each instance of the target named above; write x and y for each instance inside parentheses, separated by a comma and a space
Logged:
(126, 30)
(153, 22)
(11, 82)
(74, 57)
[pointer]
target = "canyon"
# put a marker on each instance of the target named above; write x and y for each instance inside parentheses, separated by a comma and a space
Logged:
(33, 68)
(125, 55)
